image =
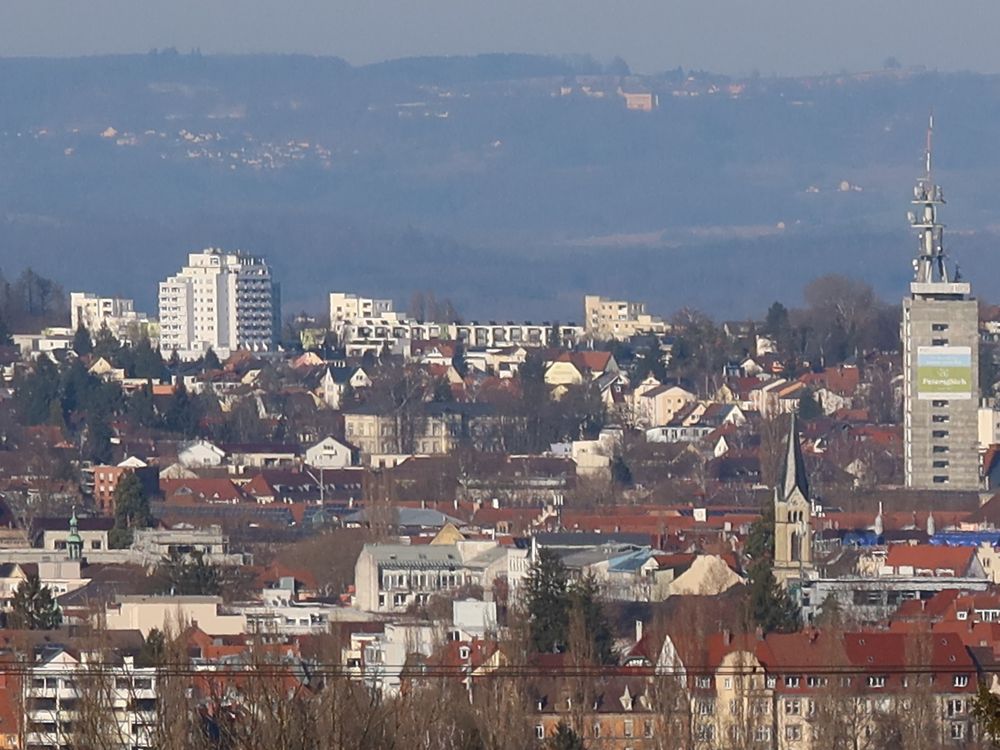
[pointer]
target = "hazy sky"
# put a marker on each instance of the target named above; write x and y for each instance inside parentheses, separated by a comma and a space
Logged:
(735, 36)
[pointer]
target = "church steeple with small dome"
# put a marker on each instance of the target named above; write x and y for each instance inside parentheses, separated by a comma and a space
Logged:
(74, 543)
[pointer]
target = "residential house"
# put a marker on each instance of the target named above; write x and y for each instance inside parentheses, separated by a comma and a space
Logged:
(329, 453)
(200, 454)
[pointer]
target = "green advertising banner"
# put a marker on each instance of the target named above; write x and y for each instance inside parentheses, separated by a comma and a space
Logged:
(944, 372)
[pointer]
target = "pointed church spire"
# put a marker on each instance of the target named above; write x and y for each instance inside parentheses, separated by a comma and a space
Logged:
(794, 471)
(879, 527)
(931, 526)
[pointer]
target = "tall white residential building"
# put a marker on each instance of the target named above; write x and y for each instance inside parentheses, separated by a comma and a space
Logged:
(219, 300)
(117, 313)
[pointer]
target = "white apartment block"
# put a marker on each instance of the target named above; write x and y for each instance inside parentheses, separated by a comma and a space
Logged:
(395, 333)
(346, 306)
(606, 318)
(62, 680)
(117, 313)
(219, 300)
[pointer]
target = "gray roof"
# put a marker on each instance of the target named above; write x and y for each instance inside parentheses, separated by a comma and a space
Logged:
(591, 539)
(422, 517)
(415, 555)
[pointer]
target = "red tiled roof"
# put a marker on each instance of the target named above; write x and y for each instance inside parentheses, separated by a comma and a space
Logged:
(931, 557)
(203, 490)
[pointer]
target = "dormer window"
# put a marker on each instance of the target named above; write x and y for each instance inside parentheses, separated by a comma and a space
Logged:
(463, 652)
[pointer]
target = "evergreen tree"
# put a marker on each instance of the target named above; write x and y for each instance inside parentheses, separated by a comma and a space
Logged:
(770, 606)
(146, 361)
(809, 407)
(191, 575)
(442, 392)
(33, 606)
(548, 602)
(986, 711)
(584, 599)
(174, 362)
(458, 360)
(153, 649)
(182, 414)
(211, 361)
(34, 392)
(131, 506)
(760, 539)
(620, 471)
(5, 338)
(142, 408)
(98, 438)
(106, 345)
(565, 739)
(82, 343)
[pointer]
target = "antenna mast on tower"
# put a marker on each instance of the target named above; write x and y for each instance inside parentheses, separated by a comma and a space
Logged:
(929, 266)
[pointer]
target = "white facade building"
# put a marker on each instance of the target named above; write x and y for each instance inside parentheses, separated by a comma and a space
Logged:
(346, 306)
(60, 680)
(219, 300)
(117, 313)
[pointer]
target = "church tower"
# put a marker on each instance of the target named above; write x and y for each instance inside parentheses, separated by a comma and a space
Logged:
(74, 544)
(792, 513)
(940, 358)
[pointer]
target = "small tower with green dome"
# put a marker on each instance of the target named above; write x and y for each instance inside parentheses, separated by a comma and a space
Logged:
(74, 544)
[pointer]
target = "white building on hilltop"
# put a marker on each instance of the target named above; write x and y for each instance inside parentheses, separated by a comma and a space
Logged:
(219, 300)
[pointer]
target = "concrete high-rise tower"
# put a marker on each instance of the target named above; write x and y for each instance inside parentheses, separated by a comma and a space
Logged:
(219, 300)
(940, 333)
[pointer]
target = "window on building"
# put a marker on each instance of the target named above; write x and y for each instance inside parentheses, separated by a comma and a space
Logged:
(939, 404)
(939, 342)
(647, 728)
(957, 730)
(939, 434)
(762, 734)
(793, 732)
(940, 479)
(596, 730)
(704, 682)
(876, 681)
(961, 680)
(940, 418)
(539, 731)
(793, 707)
(792, 681)
(627, 728)
(956, 707)
(940, 463)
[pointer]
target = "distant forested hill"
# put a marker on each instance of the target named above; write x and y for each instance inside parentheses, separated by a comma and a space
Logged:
(509, 183)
